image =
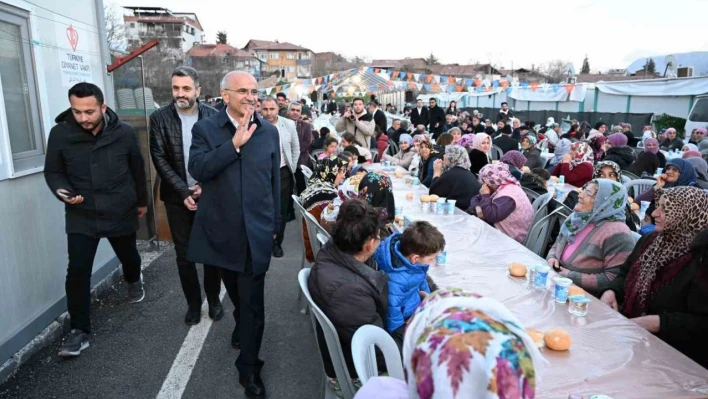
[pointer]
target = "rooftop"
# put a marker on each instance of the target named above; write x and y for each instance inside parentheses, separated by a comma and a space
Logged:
(284, 46)
(257, 43)
(160, 14)
(208, 50)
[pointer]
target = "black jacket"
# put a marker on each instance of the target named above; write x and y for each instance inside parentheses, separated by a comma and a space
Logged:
(107, 170)
(380, 120)
(505, 117)
(419, 119)
(328, 108)
(436, 116)
(506, 143)
(478, 160)
(534, 183)
(533, 158)
(622, 156)
(456, 184)
(675, 144)
(166, 150)
(681, 303)
(351, 294)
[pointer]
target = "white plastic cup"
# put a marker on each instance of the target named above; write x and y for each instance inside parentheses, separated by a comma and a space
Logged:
(440, 206)
(561, 289)
(541, 276)
(644, 206)
(451, 206)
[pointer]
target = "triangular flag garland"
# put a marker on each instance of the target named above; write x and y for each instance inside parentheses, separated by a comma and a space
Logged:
(409, 80)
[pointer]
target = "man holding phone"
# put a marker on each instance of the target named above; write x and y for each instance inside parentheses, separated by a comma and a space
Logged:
(93, 164)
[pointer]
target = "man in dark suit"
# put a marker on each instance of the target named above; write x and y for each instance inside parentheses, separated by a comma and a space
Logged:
(437, 118)
(235, 155)
(419, 114)
(328, 107)
(379, 116)
(505, 142)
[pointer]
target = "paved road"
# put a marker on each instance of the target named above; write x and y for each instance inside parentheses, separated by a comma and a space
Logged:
(133, 347)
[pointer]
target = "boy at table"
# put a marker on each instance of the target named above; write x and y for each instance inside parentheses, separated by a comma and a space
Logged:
(405, 258)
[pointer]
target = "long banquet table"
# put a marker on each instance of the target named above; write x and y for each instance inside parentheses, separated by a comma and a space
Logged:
(609, 355)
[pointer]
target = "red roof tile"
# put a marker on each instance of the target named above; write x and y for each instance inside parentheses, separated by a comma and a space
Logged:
(206, 50)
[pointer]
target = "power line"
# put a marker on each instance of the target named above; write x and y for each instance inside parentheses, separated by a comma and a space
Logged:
(61, 15)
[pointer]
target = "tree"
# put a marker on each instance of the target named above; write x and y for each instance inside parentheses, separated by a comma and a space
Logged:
(115, 28)
(586, 66)
(431, 60)
(221, 37)
(554, 71)
(649, 66)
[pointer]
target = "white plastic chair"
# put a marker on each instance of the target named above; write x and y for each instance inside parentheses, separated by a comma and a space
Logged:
(314, 228)
(531, 194)
(322, 239)
(539, 235)
(496, 153)
(333, 346)
(639, 186)
(364, 353)
(630, 175)
(307, 172)
(299, 217)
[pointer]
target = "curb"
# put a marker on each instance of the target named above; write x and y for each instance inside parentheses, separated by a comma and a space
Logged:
(61, 325)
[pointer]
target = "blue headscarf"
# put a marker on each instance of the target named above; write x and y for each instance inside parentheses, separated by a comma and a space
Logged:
(687, 176)
(609, 204)
(562, 148)
(405, 138)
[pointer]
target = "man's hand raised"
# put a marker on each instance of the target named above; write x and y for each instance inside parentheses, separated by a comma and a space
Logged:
(243, 132)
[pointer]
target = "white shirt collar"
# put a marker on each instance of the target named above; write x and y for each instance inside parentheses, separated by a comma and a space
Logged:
(234, 121)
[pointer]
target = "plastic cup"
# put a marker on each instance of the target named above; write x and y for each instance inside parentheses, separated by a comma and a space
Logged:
(531, 276)
(451, 206)
(399, 210)
(441, 258)
(541, 276)
(578, 305)
(416, 181)
(561, 179)
(561, 289)
(659, 171)
(644, 206)
(440, 206)
(559, 193)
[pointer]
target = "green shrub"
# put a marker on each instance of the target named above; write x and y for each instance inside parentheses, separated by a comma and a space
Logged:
(665, 121)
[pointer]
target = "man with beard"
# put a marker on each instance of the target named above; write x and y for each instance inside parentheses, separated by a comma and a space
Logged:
(357, 122)
(436, 118)
(170, 139)
(289, 156)
(304, 135)
(235, 155)
(282, 104)
(93, 165)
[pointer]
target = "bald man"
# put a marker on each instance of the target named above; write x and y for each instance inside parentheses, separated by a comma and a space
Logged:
(235, 155)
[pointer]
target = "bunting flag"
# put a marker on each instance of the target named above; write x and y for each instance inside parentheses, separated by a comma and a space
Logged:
(416, 76)
(419, 86)
(489, 88)
(480, 89)
(428, 78)
(458, 80)
(401, 75)
(508, 90)
(504, 84)
(411, 85)
(468, 82)
(545, 86)
(427, 87)
(524, 85)
(409, 75)
(534, 86)
(569, 87)
(555, 87)
(451, 80)
(477, 82)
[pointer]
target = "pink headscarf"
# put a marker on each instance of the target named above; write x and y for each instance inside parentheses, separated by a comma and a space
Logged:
(496, 175)
(702, 130)
(617, 139)
(691, 154)
(653, 150)
(479, 139)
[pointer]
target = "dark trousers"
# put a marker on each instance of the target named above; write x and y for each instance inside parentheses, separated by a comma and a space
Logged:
(286, 190)
(181, 219)
(246, 293)
(299, 181)
(82, 251)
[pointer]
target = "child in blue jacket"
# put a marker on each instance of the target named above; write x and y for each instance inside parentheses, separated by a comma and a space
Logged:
(405, 258)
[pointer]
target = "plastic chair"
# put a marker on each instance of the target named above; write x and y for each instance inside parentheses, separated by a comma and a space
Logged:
(531, 194)
(314, 228)
(316, 153)
(630, 175)
(540, 201)
(333, 346)
(307, 172)
(375, 156)
(539, 235)
(364, 354)
(393, 148)
(496, 153)
(322, 239)
(639, 186)
(299, 217)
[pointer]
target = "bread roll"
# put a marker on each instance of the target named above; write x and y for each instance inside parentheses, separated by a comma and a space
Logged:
(557, 339)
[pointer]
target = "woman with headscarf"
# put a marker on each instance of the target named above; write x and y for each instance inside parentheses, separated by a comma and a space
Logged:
(663, 286)
(691, 154)
(576, 165)
(515, 161)
(322, 189)
(672, 142)
(347, 190)
(532, 154)
(617, 150)
(452, 178)
(502, 202)
(597, 144)
(645, 166)
(594, 240)
(701, 167)
(443, 357)
(428, 155)
(678, 172)
(467, 141)
(405, 156)
(652, 145)
(562, 148)
(689, 147)
(479, 155)
(376, 189)
(703, 147)
(610, 170)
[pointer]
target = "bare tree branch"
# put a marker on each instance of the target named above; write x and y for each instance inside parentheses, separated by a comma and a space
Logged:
(115, 27)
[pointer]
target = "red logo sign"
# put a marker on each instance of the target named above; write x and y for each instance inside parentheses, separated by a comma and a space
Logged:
(73, 36)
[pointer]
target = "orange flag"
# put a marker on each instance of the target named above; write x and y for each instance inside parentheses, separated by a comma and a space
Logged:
(319, 80)
(377, 70)
(504, 84)
(409, 75)
(569, 87)
(428, 78)
(277, 88)
(534, 86)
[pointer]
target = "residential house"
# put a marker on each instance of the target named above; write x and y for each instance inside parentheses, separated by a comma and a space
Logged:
(177, 30)
(288, 59)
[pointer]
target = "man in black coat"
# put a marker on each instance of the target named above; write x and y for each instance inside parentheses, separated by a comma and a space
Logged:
(235, 155)
(437, 118)
(419, 115)
(94, 166)
(504, 113)
(380, 119)
(328, 107)
(170, 138)
(505, 142)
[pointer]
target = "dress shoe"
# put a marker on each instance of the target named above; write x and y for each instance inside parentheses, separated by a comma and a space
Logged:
(193, 317)
(253, 385)
(216, 311)
(235, 341)
(277, 250)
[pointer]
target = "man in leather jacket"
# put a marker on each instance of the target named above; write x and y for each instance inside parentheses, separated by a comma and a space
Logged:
(170, 139)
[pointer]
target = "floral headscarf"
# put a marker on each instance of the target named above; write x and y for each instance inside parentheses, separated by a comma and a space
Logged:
(610, 200)
(514, 158)
(347, 190)
(456, 156)
(687, 176)
(583, 153)
(377, 191)
(496, 175)
(562, 148)
(467, 141)
(479, 139)
(653, 150)
(615, 168)
(596, 144)
(321, 186)
(685, 216)
(462, 345)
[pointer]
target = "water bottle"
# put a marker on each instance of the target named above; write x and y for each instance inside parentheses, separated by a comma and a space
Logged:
(561, 179)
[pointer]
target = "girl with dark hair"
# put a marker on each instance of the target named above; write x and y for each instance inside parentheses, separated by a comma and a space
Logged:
(452, 109)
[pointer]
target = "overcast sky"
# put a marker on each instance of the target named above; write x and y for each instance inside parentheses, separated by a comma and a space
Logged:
(613, 33)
